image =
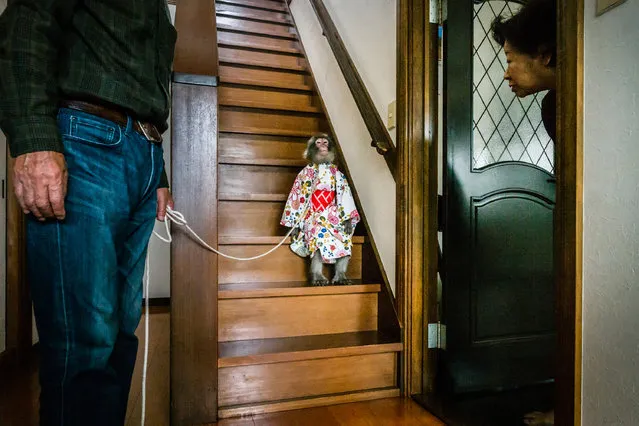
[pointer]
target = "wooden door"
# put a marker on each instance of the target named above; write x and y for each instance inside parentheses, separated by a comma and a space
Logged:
(499, 201)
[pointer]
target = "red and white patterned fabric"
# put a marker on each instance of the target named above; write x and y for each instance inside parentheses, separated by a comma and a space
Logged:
(322, 199)
(325, 191)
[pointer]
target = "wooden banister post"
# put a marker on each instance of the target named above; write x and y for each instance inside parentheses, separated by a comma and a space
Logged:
(194, 185)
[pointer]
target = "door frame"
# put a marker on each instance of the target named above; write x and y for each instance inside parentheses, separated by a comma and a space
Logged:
(417, 200)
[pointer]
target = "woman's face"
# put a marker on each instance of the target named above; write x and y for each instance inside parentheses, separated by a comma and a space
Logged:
(526, 74)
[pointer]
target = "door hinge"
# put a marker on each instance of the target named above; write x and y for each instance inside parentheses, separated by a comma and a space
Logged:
(3, 189)
(437, 336)
(435, 11)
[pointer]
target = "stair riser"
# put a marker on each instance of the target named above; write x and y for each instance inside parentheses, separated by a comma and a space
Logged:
(262, 59)
(268, 99)
(273, 382)
(297, 404)
(257, 42)
(264, 78)
(266, 123)
(264, 4)
(245, 149)
(250, 218)
(275, 317)
(259, 28)
(253, 13)
(239, 179)
(281, 265)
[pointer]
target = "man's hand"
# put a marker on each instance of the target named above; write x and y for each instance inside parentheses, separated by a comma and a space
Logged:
(164, 199)
(40, 184)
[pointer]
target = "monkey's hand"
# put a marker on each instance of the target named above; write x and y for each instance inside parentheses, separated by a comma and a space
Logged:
(296, 231)
(348, 227)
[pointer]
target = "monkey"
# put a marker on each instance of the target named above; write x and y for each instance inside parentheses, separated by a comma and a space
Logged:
(321, 194)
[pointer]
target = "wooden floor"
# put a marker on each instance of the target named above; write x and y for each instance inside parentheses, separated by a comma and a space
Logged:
(382, 412)
(19, 397)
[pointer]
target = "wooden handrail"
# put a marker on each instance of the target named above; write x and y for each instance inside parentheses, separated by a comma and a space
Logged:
(381, 139)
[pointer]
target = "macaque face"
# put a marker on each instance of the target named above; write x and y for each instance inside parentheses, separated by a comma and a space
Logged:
(323, 150)
(322, 145)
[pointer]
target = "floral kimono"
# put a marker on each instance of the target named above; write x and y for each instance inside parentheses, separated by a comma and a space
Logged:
(321, 193)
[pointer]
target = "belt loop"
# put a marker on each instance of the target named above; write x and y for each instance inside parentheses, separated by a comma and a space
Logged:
(129, 124)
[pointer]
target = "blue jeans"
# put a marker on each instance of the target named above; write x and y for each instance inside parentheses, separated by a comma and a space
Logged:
(86, 271)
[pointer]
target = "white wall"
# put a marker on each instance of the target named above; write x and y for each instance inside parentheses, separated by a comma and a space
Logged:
(368, 29)
(374, 183)
(611, 217)
(159, 251)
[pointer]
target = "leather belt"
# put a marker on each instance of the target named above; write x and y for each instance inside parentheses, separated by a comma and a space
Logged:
(146, 129)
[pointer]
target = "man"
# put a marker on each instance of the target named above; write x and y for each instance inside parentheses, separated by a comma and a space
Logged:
(529, 42)
(84, 98)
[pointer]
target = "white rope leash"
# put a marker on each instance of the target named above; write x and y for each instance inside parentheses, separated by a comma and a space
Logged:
(179, 219)
(146, 335)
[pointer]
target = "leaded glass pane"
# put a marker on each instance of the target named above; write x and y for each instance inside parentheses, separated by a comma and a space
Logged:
(505, 128)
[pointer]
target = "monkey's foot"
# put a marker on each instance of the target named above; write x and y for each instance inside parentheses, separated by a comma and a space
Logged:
(540, 419)
(341, 281)
(319, 281)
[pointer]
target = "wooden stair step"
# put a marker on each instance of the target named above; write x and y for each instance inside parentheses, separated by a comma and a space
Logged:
(252, 27)
(267, 351)
(256, 14)
(300, 403)
(237, 120)
(280, 265)
(264, 77)
(249, 240)
(232, 39)
(268, 99)
(251, 384)
(258, 4)
(256, 150)
(275, 61)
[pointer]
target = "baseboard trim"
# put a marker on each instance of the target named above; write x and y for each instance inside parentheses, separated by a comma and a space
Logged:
(158, 301)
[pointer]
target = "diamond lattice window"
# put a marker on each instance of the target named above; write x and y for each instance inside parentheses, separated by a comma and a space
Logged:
(505, 128)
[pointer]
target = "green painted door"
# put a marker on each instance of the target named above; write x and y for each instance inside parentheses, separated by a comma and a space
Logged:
(499, 197)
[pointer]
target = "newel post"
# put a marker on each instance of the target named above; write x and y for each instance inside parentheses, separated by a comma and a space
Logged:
(194, 184)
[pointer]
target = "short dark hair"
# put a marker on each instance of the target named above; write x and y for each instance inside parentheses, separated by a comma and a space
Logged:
(532, 30)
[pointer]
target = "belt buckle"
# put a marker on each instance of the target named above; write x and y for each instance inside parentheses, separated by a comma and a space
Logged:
(147, 130)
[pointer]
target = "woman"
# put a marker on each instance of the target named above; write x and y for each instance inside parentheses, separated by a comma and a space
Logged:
(529, 42)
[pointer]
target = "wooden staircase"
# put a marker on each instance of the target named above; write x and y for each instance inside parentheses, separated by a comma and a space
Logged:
(283, 344)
